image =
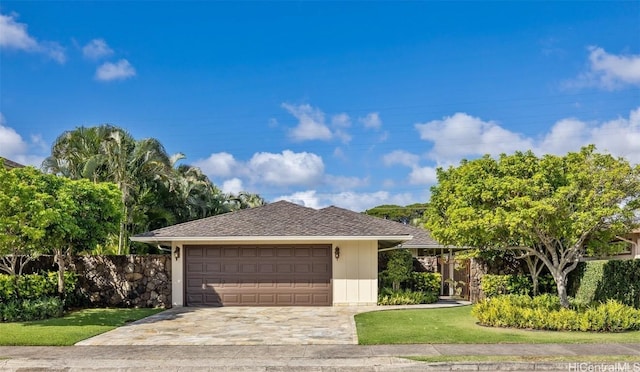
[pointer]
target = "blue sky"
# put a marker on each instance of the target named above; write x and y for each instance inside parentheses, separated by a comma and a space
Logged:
(351, 104)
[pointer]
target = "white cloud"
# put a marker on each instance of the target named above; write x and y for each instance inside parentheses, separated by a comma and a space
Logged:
(219, 164)
(349, 200)
(268, 169)
(423, 176)
(620, 136)
(14, 35)
(120, 70)
(14, 147)
(311, 123)
(400, 157)
(460, 135)
(232, 186)
(96, 49)
(286, 169)
(304, 198)
(566, 135)
(608, 71)
(372, 121)
(341, 120)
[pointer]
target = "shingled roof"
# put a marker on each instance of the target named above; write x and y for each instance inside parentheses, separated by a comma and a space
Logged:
(283, 219)
(10, 164)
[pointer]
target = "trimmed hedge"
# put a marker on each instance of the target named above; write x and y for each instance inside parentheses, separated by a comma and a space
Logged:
(545, 313)
(599, 281)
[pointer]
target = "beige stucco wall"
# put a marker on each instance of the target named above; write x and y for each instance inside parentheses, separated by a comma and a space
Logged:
(355, 272)
(177, 276)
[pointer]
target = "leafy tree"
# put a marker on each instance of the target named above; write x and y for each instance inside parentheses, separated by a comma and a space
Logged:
(399, 267)
(45, 213)
(410, 214)
(25, 215)
(555, 208)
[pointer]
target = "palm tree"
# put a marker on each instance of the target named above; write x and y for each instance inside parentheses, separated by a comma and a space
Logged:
(109, 153)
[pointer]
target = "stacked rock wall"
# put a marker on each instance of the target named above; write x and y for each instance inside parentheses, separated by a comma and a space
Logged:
(117, 281)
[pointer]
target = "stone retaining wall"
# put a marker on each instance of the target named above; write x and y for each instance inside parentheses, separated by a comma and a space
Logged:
(118, 281)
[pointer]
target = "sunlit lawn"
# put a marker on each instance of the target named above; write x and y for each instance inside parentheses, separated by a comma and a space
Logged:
(71, 328)
(457, 326)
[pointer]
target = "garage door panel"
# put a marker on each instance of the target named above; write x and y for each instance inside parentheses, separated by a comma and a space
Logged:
(294, 275)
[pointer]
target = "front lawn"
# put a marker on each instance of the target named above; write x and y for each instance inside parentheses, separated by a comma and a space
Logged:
(71, 328)
(456, 326)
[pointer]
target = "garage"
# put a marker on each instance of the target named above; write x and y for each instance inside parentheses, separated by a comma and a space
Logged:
(279, 254)
(258, 275)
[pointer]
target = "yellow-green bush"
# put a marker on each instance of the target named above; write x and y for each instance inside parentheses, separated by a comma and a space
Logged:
(544, 312)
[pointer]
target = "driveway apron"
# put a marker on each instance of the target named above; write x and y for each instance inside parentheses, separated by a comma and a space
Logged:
(237, 326)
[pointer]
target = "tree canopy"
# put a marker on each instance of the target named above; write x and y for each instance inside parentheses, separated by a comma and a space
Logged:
(44, 213)
(410, 214)
(555, 208)
(155, 190)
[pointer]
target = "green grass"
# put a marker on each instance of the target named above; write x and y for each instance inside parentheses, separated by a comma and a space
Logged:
(457, 326)
(526, 359)
(71, 328)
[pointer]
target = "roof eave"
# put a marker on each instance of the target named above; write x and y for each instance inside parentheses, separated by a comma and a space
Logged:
(151, 239)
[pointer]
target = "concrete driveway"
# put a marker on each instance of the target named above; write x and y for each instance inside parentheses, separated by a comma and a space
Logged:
(247, 326)
(238, 326)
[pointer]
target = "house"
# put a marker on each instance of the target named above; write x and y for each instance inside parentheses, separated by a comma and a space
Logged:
(280, 254)
(633, 240)
(9, 164)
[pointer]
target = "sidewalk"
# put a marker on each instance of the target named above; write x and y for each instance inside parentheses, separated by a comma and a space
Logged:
(304, 357)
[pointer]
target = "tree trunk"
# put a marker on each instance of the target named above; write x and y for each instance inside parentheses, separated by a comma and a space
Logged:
(61, 268)
(561, 284)
(534, 280)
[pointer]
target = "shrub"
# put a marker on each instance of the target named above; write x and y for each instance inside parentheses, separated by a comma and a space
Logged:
(34, 286)
(425, 282)
(34, 296)
(388, 296)
(495, 285)
(599, 281)
(544, 312)
(592, 277)
(31, 309)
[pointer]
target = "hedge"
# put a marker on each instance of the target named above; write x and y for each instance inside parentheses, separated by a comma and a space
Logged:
(545, 313)
(599, 281)
(35, 286)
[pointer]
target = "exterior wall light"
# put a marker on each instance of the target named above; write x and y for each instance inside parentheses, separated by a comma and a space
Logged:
(336, 252)
(176, 253)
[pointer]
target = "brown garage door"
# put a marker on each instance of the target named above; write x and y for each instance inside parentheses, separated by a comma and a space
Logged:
(261, 275)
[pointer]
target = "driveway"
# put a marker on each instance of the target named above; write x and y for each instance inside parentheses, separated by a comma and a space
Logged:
(247, 326)
(237, 326)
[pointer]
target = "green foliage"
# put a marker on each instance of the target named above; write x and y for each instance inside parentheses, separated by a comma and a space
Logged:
(495, 285)
(406, 215)
(545, 313)
(26, 211)
(405, 297)
(30, 309)
(590, 282)
(154, 191)
(425, 282)
(598, 281)
(34, 286)
(399, 267)
(549, 206)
